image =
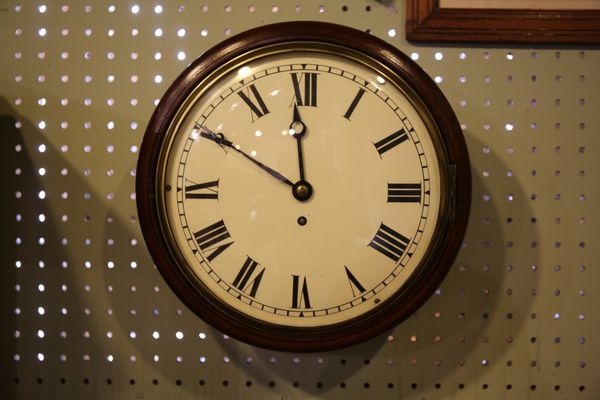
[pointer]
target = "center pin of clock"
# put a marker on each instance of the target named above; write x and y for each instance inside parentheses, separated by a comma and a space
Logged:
(302, 190)
(302, 220)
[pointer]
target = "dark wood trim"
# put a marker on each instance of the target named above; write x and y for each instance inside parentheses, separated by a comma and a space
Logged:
(406, 301)
(426, 21)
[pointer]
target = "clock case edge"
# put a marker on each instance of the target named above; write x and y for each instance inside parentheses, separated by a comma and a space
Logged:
(390, 313)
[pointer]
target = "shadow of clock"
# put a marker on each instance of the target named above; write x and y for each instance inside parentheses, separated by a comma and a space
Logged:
(54, 288)
(9, 275)
(110, 320)
(468, 326)
(86, 311)
(463, 331)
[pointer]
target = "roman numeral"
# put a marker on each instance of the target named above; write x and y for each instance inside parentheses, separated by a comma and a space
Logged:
(249, 277)
(389, 242)
(213, 239)
(404, 193)
(257, 106)
(354, 283)
(391, 141)
(309, 98)
(300, 297)
(206, 190)
(354, 103)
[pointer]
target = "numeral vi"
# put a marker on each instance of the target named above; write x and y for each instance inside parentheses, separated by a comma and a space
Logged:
(300, 297)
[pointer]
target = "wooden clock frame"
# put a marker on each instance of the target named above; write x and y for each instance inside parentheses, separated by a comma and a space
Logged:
(420, 285)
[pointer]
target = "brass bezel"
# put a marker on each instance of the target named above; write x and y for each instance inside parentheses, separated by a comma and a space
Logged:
(293, 48)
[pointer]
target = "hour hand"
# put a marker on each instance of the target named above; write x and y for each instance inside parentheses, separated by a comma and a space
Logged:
(221, 140)
(302, 190)
(297, 127)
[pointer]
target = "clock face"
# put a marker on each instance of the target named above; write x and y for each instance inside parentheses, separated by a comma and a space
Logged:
(367, 155)
(298, 191)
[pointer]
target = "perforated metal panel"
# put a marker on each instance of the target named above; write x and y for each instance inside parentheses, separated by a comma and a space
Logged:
(86, 315)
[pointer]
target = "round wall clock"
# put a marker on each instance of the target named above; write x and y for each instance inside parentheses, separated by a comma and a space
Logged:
(303, 186)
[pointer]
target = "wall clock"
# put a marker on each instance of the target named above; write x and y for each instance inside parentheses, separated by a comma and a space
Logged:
(303, 186)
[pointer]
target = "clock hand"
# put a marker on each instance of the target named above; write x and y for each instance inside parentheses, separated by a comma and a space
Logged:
(302, 190)
(298, 129)
(220, 139)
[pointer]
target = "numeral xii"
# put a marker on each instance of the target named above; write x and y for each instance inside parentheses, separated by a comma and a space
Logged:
(307, 94)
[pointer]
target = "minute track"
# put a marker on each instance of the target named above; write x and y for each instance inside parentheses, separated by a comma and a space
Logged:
(359, 95)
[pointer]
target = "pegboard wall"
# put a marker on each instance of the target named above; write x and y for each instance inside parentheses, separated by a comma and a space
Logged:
(85, 314)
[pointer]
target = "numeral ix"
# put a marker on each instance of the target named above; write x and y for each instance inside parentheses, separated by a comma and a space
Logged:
(206, 190)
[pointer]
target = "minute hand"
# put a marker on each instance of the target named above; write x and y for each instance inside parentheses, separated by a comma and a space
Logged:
(220, 139)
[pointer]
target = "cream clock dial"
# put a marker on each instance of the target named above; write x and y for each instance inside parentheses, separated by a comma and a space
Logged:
(298, 190)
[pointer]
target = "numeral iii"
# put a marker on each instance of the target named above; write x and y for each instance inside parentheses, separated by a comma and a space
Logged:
(404, 193)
